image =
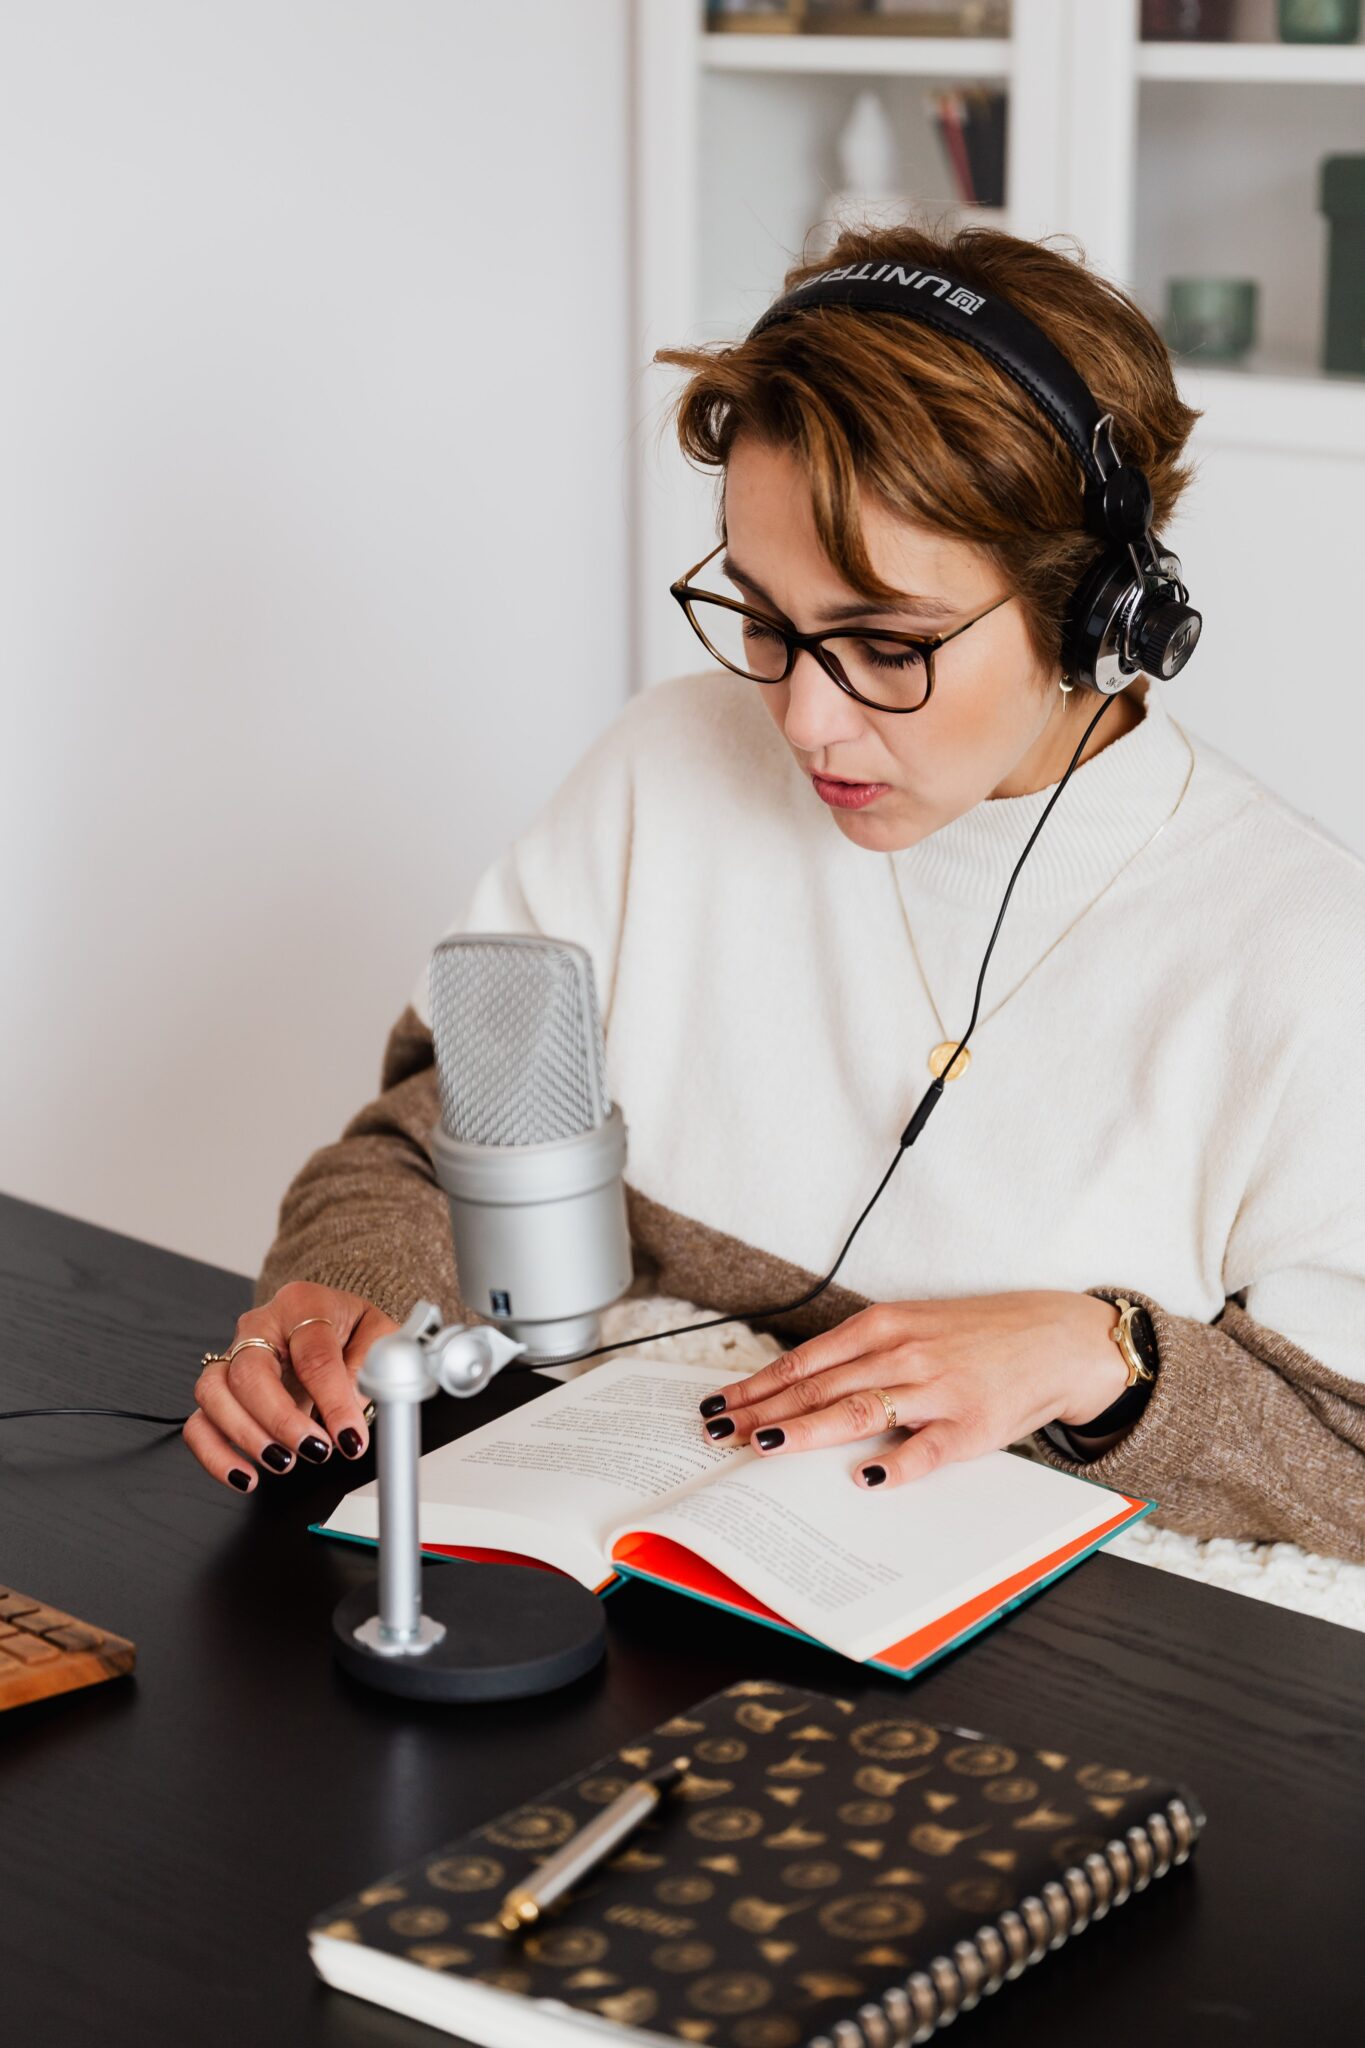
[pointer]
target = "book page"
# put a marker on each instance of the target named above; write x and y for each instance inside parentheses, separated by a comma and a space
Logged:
(860, 1569)
(552, 1479)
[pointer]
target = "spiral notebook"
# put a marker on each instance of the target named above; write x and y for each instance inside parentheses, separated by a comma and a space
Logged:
(823, 1865)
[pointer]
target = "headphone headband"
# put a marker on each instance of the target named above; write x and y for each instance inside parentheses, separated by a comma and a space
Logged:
(986, 323)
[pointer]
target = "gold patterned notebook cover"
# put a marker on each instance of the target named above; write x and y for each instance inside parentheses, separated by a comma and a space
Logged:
(823, 1862)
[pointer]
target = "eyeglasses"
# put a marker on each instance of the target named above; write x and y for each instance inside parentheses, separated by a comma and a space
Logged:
(886, 671)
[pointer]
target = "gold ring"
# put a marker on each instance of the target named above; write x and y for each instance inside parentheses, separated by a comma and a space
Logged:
(304, 1325)
(261, 1343)
(889, 1405)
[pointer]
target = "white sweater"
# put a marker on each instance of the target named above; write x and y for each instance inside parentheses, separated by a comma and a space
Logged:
(1174, 1101)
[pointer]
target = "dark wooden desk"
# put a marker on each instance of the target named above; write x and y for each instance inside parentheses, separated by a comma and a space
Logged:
(164, 1840)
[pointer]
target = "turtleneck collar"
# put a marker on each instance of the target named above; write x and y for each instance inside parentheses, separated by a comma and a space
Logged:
(1112, 805)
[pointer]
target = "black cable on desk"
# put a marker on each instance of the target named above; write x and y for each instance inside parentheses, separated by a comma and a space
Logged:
(128, 1415)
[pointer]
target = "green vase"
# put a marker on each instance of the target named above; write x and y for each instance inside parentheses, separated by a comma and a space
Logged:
(1319, 21)
(1212, 319)
(1342, 199)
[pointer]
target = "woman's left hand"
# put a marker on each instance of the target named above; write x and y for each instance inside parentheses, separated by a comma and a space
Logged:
(964, 1376)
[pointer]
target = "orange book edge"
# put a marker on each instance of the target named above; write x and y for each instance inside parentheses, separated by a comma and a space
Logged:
(671, 1564)
(474, 1553)
(470, 1553)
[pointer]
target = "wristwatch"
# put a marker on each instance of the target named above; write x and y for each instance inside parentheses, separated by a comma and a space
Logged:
(1136, 1339)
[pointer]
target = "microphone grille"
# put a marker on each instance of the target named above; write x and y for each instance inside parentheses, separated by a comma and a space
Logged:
(520, 1058)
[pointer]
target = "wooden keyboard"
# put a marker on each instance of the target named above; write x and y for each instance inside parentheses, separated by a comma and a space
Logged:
(43, 1651)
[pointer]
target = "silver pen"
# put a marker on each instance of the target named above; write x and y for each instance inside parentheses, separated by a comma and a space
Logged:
(548, 1883)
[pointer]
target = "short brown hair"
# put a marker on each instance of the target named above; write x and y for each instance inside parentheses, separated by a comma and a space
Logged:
(934, 429)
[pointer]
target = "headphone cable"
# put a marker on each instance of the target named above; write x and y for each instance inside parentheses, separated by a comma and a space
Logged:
(923, 1111)
(127, 1414)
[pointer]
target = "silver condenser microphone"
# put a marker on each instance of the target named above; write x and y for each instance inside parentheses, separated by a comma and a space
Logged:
(529, 1149)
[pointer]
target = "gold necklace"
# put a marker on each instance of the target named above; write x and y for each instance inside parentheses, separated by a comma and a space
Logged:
(943, 1052)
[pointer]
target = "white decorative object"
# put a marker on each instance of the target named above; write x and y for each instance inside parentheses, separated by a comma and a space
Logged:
(867, 153)
(867, 147)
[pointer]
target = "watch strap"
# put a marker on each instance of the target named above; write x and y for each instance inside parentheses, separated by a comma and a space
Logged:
(1137, 1342)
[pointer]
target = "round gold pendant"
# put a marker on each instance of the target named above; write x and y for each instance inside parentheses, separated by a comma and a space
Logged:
(940, 1056)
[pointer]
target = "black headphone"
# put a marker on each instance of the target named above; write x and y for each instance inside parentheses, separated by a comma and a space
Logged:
(1129, 613)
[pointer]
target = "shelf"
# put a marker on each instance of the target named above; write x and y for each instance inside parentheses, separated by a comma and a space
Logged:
(1310, 413)
(1254, 63)
(874, 56)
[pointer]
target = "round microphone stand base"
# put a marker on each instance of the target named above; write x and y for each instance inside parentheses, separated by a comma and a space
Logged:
(509, 1631)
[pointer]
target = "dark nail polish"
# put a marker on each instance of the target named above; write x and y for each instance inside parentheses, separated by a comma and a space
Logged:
(713, 1404)
(315, 1450)
(769, 1439)
(276, 1457)
(716, 1430)
(241, 1480)
(349, 1441)
(874, 1474)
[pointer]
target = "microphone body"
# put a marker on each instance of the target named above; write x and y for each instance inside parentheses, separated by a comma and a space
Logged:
(529, 1151)
(541, 1240)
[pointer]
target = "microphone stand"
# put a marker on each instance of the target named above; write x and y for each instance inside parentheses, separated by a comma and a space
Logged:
(458, 1631)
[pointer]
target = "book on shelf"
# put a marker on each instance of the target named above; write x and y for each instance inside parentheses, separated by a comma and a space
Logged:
(971, 124)
(859, 17)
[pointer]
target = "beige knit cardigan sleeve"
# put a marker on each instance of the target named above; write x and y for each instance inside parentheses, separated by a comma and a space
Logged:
(1245, 1435)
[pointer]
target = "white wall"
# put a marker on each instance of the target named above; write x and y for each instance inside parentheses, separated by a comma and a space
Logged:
(313, 410)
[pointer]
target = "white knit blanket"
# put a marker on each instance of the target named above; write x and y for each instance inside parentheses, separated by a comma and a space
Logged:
(1278, 1572)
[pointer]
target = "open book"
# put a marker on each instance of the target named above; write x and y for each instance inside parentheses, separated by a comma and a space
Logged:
(609, 1475)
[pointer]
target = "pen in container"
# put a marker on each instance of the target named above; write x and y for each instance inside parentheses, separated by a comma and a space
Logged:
(549, 1882)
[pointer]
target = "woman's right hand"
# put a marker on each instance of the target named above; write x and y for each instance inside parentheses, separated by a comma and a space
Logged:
(257, 1411)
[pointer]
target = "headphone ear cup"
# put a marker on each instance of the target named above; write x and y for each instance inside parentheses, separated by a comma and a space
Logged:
(1090, 615)
(1119, 508)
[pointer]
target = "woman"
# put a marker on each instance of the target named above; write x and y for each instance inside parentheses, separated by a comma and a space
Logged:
(1136, 1226)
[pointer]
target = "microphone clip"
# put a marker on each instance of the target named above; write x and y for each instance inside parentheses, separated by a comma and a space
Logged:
(425, 1357)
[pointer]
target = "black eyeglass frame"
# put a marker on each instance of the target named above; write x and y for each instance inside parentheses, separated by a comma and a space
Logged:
(814, 643)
